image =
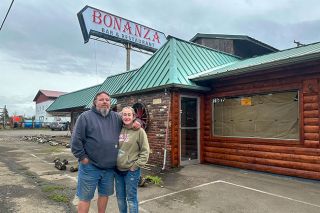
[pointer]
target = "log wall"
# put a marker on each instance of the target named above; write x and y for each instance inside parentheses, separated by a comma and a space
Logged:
(299, 158)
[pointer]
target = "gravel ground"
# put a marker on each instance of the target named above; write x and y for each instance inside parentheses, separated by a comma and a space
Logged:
(28, 180)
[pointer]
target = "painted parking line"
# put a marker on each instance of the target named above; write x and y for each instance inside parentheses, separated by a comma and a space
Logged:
(183, 190)
(143, 210)
(225, 182)
(40, 159)
(66, 175)
(268, 193)
(72, 178)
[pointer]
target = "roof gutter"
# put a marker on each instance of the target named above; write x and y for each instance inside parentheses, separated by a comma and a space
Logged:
(276, 64)
(68, 109)
(198, 88)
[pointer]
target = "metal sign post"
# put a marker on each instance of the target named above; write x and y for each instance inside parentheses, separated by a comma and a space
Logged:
(128, 48)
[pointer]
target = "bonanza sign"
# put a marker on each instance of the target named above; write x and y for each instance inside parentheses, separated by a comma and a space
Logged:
(105, 25)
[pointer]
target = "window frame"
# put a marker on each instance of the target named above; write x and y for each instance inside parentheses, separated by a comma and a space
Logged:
(261, 139)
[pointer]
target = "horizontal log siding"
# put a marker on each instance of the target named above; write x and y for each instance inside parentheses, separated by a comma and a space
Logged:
(310, 104)
(300, 157)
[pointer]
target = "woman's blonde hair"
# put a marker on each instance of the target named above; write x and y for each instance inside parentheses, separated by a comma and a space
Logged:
(130, 108)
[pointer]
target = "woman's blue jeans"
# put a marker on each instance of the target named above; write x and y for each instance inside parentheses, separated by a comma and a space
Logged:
(127, 190)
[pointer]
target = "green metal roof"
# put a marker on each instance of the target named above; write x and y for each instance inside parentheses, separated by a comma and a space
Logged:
(84, 98)
(273, 60)
(172, 63)
(75, 99)
(114, 83)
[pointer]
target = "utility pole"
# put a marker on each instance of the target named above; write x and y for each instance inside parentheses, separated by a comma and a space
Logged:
(128, 48)
(3, 115)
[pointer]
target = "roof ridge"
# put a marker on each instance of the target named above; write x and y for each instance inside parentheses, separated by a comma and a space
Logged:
(50, 90)
(173, 61)
(202, 46)
(122, 73)
(234, 36)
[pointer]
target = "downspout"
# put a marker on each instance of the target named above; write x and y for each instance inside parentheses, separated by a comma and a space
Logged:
(167, 131)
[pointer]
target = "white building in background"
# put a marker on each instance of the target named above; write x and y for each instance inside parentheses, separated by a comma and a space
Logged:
(43, 100)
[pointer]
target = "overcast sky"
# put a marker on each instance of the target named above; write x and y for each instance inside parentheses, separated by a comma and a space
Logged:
(41, 44)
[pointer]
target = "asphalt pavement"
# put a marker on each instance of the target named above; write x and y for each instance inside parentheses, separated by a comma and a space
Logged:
(29, 182)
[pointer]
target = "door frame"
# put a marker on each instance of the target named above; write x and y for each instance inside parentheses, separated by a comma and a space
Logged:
(195, 161)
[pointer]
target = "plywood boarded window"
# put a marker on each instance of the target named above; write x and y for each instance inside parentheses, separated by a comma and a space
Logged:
(274, 115)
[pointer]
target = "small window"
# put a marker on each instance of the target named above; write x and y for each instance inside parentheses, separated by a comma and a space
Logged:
(273, 115)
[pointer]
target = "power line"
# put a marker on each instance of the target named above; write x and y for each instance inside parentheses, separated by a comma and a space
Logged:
(6, 15)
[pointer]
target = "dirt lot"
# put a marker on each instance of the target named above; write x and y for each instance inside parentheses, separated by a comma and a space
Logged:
(29, 181)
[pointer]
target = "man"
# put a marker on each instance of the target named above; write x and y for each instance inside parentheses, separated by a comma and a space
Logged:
(95, 143)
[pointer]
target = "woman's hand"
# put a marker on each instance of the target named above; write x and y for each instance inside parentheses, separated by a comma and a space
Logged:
(132, 169)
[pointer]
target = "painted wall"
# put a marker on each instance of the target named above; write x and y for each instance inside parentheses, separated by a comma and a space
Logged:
(42, 116)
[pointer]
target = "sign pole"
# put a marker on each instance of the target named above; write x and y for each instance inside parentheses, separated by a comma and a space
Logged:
(128, 48)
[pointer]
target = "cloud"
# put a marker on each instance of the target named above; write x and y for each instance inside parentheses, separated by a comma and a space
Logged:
(41, 44)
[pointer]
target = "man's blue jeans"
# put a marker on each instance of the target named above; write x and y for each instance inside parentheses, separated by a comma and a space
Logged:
(126, 189)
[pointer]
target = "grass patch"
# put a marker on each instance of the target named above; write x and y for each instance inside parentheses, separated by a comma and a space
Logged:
(51, 188)
(22, 168)
(154, 179)
(59, 198)
(54, 149)
(30, 174)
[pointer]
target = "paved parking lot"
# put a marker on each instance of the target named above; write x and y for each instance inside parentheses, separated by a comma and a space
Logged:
(209, 188)
(25, 167)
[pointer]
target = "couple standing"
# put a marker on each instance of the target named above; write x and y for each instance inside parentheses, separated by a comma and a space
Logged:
(109, 146)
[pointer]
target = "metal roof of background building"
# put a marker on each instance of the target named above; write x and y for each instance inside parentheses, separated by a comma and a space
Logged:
(48, 93)
(273, 60)
(171, 64)
(75, 99)
(234, 37)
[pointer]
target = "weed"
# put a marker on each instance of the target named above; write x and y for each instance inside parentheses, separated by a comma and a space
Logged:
(30, 174)
(22, 168)
(154, 179)
(53, 149)
(51, 188)
(59, 198)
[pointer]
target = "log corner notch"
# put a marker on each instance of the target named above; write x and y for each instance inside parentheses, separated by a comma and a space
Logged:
(310, 102)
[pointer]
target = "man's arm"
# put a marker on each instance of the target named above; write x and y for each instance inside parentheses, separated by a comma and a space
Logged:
(137, 124)
(78, 139)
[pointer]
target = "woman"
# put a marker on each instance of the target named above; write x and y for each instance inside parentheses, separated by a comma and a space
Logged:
(133, 154)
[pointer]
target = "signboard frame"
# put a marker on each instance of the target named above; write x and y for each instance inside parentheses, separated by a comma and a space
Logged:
(114, 28)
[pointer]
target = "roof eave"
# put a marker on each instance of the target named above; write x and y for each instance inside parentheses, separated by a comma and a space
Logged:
(69, 109)
(173, 85)
(277, 64)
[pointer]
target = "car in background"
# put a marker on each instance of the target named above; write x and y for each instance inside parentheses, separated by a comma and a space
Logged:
(62, 126)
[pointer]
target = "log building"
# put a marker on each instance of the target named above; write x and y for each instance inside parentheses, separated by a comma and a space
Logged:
(256, 109)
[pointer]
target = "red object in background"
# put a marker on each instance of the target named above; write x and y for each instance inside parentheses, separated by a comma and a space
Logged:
(16, 118)
(142, 114)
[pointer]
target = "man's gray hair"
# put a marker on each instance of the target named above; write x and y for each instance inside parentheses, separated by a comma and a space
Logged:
(99, 93)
